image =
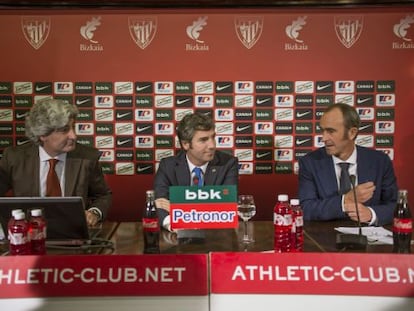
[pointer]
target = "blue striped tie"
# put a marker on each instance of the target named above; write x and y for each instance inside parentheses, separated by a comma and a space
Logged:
(197, 179)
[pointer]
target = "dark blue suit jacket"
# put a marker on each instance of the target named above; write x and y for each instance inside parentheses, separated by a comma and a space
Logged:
(318, 187)
(174, 171)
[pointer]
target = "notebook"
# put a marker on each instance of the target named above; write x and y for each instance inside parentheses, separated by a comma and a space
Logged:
(65, 217)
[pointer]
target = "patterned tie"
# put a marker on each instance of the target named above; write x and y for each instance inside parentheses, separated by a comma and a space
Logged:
(197, 179)
(344, 180)
(52, 181)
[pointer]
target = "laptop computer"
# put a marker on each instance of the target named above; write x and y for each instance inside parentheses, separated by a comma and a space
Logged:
(65, 217)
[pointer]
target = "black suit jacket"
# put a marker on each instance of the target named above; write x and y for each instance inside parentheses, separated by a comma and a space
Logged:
(20, 169)
(174, 171)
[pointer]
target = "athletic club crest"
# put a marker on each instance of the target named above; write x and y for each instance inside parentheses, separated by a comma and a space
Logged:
(348, 29)
(248, 30)
(35, 29)
(142, 30)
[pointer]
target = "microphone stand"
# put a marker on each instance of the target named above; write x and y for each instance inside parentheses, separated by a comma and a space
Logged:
(352, 241)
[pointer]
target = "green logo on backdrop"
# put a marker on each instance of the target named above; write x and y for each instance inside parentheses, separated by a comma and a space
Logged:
(224, 101)
(264, 114)
(164, 114)
(23, 101)
(144, 101)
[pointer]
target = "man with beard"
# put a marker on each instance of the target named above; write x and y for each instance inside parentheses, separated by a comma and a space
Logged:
(320, 170)
(50, 126)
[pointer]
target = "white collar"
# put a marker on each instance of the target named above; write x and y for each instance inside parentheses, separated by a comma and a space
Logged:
(191, 166)
(44, 156)
(352, 158)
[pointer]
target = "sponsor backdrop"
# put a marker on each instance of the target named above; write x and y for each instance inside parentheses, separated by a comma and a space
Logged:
(265, 76)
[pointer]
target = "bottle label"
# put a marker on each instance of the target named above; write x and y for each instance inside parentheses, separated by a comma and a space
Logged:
(282, 220)
(150, 224)
(299, 221)
(402, 225)
(17, 238)
(38, 233)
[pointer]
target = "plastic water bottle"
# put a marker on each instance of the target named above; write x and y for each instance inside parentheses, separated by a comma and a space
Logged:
(18, 232)
(37, 232)
(297, 225)
(282, 222)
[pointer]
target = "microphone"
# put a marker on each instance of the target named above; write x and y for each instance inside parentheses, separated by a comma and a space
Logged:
(352, 241)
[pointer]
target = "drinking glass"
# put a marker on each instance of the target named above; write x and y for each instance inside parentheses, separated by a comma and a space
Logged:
(246, 209)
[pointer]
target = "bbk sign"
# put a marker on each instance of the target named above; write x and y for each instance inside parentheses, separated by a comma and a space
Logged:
(208, 207)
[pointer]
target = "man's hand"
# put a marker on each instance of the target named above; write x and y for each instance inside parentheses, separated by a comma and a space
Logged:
(91, 218)
(163, 203)
(364, 192)
(365, 214)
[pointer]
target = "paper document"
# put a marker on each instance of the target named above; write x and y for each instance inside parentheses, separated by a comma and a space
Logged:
(375, 235)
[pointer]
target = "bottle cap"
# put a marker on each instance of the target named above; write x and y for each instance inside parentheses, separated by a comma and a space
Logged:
(19, 216)
(283, 197)
(36, 212)
(294, 201)
(15, 211)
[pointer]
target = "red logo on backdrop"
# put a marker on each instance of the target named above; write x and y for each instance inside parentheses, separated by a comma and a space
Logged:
(142, 30)
(248, 30)
(36, 30)
(348, 29)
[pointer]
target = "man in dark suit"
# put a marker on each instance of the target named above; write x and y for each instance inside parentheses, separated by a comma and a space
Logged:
(50, 125)
(319, 174)
(196, 134)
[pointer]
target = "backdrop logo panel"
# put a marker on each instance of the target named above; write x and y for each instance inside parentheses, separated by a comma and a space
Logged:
(36, 30)
(348, 29)
(142, 30)
(248, 29)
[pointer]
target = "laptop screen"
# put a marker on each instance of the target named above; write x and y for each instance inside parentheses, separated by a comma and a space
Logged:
(65, 216)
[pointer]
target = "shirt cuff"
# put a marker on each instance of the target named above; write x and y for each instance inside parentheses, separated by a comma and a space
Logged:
(97, 212)
(166, 223)
(374, 219)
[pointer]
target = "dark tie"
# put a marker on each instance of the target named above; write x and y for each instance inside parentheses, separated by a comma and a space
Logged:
(52, 181)
(344, 180)
(197, 179)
